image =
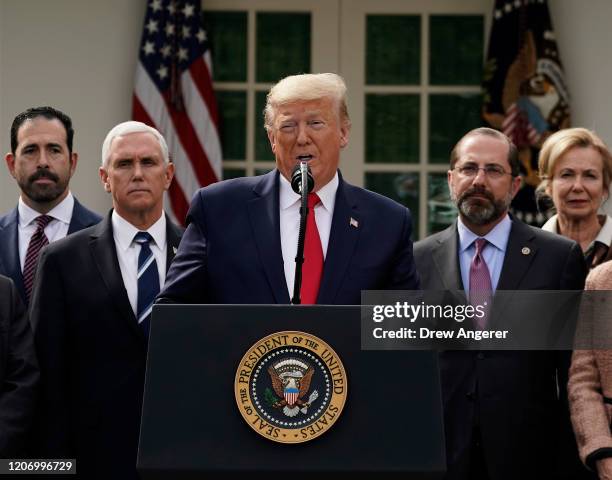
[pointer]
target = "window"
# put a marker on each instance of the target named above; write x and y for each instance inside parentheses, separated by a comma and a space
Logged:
(413, 69)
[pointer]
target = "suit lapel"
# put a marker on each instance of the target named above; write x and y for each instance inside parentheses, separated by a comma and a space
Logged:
(104, 253)
(520, 252)
(76, 223)
(263, 213)
(342, 241)
(9, 253)
(446, 259)
(81, 218)
(173, 238)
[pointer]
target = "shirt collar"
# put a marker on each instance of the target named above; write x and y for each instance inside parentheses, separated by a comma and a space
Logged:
(604, 236)
(605, 233)
(62, 211)
(124, 232)
(551, 225)
(498, 236)
(327, 193)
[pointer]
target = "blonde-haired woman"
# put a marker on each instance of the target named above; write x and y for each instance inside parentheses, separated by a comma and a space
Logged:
(576, 169)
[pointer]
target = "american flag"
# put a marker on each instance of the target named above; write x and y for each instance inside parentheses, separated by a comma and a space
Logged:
(173, 93)
(291, 395)
(525, 94)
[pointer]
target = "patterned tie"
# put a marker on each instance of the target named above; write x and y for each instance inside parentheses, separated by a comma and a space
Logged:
(313, 256)
(148, 281)
(37, 242)
(480, 283)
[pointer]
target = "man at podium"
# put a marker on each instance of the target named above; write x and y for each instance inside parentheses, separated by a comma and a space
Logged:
(241, 241)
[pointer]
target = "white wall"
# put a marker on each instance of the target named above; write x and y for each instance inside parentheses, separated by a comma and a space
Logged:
(584, 38)
(79, 55)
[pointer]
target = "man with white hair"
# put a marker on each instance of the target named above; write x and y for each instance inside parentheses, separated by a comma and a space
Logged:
(241, 241)
(91, 307)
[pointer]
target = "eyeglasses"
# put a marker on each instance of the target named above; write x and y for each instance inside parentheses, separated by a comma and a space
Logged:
(491, 171)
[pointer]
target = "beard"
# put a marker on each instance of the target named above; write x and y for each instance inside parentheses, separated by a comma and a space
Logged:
(481, 211)
(43, 193)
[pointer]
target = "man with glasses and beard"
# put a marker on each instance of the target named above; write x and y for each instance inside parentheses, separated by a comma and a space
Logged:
(505, 412)
(42, 161)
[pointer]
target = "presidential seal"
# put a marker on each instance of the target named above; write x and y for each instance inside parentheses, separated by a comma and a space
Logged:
(290, 387)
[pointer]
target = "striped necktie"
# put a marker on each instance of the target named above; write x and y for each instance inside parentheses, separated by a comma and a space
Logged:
(37, 242)
(148, 281)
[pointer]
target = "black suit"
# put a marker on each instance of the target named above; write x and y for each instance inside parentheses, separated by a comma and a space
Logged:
(18, 371)
(9, 239)
(92, 354)
(511, 396)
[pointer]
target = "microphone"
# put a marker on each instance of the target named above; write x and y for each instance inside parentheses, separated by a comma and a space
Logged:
(302, 183)
(296, 178)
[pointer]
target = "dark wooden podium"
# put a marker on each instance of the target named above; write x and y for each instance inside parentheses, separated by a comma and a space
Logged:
(391, 424)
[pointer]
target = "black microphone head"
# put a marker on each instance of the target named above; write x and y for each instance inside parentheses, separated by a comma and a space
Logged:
(296, 180)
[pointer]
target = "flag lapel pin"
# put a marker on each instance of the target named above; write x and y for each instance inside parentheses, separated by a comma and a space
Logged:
(353, 223)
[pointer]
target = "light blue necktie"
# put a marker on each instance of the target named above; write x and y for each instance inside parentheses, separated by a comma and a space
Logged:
(148, 281)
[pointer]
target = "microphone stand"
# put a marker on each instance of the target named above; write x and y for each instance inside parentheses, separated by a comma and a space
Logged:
(299, 257)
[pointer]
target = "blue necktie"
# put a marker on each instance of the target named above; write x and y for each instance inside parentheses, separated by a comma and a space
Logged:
(148, 281)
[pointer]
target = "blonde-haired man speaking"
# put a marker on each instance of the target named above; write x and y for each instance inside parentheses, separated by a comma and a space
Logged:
(241, 240)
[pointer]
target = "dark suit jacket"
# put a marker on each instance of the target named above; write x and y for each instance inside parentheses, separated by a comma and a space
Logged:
(231, 250)
(512, 396)
(18, 372)
(9, 238)
(92, 354)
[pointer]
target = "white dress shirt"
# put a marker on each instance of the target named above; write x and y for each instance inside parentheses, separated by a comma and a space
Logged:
(128, 251)
(55, 230)
(289, 203)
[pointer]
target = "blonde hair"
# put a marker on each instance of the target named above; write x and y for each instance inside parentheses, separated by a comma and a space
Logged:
(125, 128)
(305, 87)
(559, 143)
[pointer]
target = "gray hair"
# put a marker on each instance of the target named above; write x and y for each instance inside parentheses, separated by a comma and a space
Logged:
(305, 87)
(513, 155)
(125, 128)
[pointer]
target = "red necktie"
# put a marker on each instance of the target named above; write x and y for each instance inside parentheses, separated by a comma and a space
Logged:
(313, 256)
(37, 242)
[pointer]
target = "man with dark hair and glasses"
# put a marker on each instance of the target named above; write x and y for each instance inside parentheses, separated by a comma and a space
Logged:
(42, 162)
(505, 412)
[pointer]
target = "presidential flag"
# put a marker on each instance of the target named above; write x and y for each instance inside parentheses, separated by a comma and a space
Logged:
(173, 93)
(525, 94)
